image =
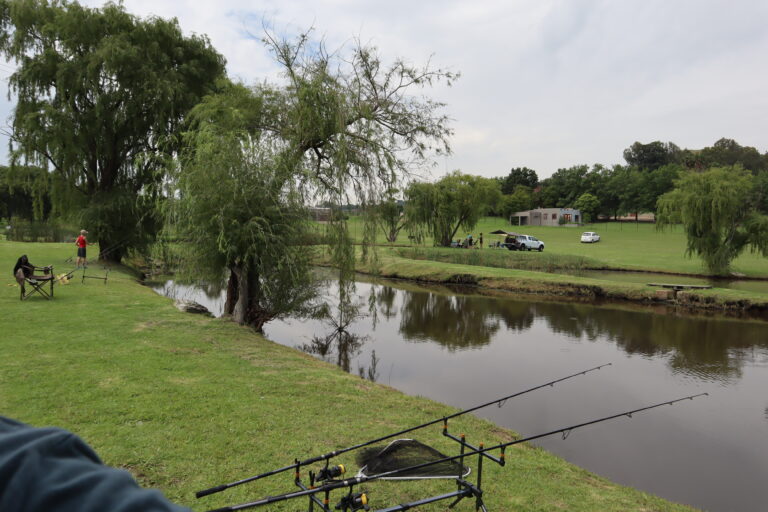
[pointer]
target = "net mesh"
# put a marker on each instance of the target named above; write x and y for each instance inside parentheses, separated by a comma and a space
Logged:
(404, 453)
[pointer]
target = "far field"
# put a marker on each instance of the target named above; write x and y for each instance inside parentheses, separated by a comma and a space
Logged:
(631, 246)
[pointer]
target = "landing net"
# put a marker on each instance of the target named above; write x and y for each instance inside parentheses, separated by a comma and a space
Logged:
(404, 453)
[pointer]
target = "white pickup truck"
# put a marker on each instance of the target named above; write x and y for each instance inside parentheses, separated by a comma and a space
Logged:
(529, 243)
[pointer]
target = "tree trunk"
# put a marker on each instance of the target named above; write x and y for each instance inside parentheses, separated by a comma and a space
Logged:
(245, 305)
(447, 243)
(229, 304)
(241, 304)
(111, 248)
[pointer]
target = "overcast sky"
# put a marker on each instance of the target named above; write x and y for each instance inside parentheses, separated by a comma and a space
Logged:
(545, 83)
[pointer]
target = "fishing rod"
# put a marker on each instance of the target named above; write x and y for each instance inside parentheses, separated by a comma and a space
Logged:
(349, 483)
(327, 456)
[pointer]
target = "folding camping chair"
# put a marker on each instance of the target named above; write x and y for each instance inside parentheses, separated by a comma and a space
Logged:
(37, 282)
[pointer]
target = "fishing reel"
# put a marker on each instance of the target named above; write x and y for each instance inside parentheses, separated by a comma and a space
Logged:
(352, 502)
(329, 473)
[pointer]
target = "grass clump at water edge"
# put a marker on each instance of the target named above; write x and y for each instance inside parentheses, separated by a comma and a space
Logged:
(502, 258)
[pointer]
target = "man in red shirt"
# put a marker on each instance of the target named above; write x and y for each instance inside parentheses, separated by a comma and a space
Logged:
(81, 242)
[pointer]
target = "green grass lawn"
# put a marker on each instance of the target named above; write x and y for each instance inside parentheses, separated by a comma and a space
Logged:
(186, 402)
(634, 246)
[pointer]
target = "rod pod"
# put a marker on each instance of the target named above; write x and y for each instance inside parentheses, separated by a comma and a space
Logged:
(358, 480)
(325, 457)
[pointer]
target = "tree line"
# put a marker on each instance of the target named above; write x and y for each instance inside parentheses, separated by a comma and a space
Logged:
(651, 171)
(719, 193)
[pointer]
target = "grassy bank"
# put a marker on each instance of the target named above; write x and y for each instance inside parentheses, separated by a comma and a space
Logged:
(519, 260)
(186, 402)
(528, 273)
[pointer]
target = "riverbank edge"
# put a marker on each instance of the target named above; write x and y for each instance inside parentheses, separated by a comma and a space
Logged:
(388, 265)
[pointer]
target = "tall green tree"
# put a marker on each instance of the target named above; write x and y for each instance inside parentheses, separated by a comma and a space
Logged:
(565, 186)
(456, 201)
(761, 184)
(589, 205)
(520, 200)
(518, 176)
(240, 207)
(100, 98)
(727, 152)
(390, 216)
(717, 210)
(608, 191)
(627, 182)
(655, 183)
(340, 123)
(25, 193)
(653, 155)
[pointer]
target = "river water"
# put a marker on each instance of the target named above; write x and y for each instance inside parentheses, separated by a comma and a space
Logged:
(461, 347)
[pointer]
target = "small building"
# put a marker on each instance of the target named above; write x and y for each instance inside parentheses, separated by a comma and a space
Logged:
(548, 217)
(320, 214)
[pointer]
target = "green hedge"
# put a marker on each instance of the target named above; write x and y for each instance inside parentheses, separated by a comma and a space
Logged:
(23, 230)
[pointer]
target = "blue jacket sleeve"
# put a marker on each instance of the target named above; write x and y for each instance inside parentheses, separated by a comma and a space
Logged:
(49, 469)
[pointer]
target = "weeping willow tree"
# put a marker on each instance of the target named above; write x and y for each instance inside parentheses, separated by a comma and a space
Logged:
(241, 209)
(717, 210)
(338, 128)
(457, 201)
(101, 95)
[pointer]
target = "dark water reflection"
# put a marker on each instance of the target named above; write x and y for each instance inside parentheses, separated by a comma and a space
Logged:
(466, 348)
(713, 349)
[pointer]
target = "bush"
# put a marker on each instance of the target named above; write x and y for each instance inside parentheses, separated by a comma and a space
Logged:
(502, 258)
(23, 230)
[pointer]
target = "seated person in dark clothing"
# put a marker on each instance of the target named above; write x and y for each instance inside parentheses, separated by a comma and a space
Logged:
(23, 270)
(49, 469)
(23, 264)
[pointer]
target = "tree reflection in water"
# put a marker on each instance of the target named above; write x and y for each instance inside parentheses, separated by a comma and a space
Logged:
(456, 322)
(340, 345)
(706, 347)
(385, 300)
(701, 346)
(340, 342)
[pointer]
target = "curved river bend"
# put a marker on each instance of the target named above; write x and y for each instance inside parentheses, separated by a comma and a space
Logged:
(465, 348)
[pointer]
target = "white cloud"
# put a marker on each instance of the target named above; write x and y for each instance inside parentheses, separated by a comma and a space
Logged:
(545, 83)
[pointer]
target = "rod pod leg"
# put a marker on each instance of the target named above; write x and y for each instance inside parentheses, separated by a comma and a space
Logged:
(478, 496)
